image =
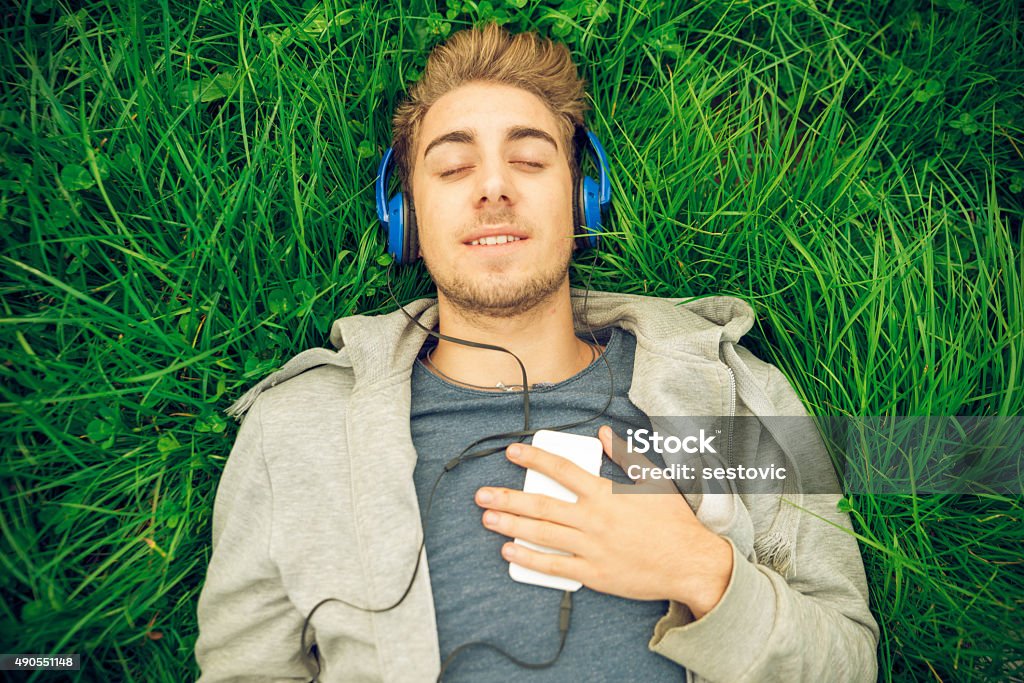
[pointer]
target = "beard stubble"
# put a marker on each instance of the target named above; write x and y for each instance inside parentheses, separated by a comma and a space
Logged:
(493, 298)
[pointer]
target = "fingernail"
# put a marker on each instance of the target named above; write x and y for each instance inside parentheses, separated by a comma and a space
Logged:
(490, 518)
(484, 496)
(514, 451)
(508, 550)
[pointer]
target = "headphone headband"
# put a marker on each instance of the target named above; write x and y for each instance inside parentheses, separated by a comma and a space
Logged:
(383, 176)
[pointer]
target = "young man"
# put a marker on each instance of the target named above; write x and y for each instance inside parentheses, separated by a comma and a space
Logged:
(325, 492)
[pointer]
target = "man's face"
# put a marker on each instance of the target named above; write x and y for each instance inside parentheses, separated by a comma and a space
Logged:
(490, 165)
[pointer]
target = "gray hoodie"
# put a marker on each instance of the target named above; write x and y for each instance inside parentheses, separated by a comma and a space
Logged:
(317, 500)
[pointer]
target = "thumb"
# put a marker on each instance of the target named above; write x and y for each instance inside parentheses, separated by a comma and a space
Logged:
(620, 453)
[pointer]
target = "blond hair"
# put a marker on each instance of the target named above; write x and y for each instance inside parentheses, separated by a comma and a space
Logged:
(492, 55)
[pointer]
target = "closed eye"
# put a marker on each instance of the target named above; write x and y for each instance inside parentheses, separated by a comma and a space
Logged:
(453, 171)
(531, 164)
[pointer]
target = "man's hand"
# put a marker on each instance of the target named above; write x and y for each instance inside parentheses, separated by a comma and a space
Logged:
(644, 546)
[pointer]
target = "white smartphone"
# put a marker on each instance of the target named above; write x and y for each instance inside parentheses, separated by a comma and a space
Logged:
(586, 452)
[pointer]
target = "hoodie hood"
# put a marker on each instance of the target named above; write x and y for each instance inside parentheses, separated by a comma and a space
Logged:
(708, 322)
(362, 342)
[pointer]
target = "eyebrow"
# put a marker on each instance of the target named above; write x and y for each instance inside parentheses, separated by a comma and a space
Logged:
(468, 137)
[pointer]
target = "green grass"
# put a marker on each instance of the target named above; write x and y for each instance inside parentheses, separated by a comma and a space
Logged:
(186, 197)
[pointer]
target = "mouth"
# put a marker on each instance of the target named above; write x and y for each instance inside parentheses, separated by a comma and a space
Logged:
(494, 236)
(494, 240)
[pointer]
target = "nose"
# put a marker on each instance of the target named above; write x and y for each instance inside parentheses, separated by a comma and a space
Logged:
(496, 187)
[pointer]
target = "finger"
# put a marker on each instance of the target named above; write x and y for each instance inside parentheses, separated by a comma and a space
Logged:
(543, 533)
(613, 445)
(635, 465)
(618, 451)
(535, 505)
(562, 470)
(565, 566)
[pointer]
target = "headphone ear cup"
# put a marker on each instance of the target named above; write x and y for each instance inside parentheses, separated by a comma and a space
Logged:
(578, 217)
(590, 198)
(412, 235)
(396, 228)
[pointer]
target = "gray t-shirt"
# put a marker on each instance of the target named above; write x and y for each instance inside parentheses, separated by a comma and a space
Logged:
(474, 597)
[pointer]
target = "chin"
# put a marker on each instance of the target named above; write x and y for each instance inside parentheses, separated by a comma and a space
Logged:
(499, 295)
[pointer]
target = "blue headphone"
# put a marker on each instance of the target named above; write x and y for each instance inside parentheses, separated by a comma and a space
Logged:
(590, 206)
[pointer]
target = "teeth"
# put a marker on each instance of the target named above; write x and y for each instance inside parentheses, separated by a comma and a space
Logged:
(495, 239)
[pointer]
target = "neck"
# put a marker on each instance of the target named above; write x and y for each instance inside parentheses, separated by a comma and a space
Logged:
(543, 338)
